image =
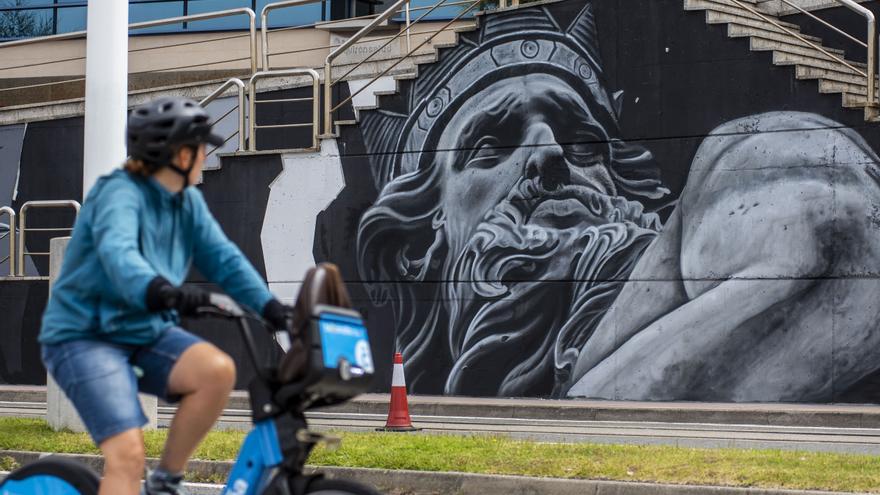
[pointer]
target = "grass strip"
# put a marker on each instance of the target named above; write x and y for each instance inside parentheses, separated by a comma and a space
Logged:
(501, 455)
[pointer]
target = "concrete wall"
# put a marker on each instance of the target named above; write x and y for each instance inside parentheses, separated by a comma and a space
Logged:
(586, 199)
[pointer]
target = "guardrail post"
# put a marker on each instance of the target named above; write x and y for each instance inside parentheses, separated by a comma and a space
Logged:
(60, 413)
(12, 244)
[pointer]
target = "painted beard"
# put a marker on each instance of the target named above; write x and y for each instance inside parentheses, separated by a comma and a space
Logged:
(537, 274)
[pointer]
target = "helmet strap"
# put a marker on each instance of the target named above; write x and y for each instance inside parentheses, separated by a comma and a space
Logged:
(185, 172)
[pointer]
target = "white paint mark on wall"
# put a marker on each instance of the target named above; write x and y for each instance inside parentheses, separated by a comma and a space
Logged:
(305, 187)
(367, 97)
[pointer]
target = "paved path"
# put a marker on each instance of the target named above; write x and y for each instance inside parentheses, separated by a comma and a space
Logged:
(847, 429)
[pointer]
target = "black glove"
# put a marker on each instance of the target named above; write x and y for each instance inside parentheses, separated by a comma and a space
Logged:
(279, 316)
(186, 299)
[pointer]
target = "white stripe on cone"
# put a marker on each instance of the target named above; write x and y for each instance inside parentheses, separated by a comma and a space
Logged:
(397, 379)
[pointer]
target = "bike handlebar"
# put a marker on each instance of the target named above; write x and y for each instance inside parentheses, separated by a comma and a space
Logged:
(223, 306)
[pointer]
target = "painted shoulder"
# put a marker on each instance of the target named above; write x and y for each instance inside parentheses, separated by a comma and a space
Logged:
(778, 139)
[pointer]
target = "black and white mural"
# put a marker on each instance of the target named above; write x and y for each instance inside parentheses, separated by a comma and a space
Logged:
(579, 199)
(526, 247)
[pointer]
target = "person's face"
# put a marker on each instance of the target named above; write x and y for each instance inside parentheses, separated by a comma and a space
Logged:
(534, 126)
(185, 155)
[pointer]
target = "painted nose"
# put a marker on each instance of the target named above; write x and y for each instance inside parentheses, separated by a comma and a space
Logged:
(546, 161)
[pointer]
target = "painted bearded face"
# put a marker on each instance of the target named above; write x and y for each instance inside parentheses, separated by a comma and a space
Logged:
(516, 235)
(534, 128)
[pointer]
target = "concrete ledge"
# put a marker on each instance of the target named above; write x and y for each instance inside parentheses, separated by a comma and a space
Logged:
(401, 482)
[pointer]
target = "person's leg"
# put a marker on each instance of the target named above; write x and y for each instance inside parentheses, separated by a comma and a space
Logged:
(98, 379)
(180, 366)
(204, 376)
(123, 463)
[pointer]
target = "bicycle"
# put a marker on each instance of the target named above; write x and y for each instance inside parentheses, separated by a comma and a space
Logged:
(338, 364)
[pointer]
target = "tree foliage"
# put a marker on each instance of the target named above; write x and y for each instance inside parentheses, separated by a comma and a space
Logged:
(23, 23)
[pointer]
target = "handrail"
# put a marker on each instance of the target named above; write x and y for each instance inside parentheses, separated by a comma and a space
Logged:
(264, 24)
(315, 99)
(328, 78)
(242, 117)
(161, 22)
(22, 226)
(396, 36)
(871, 73)
(328, 82)
(11, 234)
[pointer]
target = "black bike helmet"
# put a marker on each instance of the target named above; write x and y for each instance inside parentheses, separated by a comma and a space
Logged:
(157, 127)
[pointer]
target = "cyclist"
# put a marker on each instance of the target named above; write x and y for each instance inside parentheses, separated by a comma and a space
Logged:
(110, 328)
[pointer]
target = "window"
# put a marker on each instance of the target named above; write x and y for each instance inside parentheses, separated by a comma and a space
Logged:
(28, 18)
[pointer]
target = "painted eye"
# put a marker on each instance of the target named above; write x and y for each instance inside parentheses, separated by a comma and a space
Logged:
(586, 154)
(485, 154)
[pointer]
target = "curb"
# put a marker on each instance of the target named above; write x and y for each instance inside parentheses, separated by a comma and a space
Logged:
(808, 415)
(404, 482)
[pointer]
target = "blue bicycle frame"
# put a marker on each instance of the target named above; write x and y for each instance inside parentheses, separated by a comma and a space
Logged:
(257, 462)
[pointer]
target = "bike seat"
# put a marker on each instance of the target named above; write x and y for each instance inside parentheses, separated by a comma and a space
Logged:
(323, 285)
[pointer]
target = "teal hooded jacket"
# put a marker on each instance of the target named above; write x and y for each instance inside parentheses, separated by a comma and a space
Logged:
(130, 230)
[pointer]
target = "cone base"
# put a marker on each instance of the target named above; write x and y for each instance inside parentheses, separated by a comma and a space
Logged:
(398, 428)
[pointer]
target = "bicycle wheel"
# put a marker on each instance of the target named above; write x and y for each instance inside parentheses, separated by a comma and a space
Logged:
(324, 486)
(51, 476)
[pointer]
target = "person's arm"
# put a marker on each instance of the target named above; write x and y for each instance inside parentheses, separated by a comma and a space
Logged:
(223, 263)
(115, 226)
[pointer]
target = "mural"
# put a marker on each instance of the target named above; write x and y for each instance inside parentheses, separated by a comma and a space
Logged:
(517, 226)
(518, 239)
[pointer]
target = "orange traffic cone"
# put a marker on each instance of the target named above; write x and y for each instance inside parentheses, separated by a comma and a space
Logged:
(398, 413)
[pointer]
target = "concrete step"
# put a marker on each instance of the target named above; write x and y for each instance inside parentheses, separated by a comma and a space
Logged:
(748, 19)
(829, 87)
(808, 72)
(853, 101)
(784, 58)
(737, 30)
(719, 5)
(785, 43)
(720, 15)
(781, 8)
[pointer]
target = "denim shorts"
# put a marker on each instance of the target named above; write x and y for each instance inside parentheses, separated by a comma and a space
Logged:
(103, 379)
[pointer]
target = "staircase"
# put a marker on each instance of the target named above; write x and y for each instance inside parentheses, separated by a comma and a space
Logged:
(759, 21)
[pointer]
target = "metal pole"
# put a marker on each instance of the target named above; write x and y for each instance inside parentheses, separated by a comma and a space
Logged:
(872, 61)
(106, 90)
(21, 231)
(264, 36)
(328, 115)
(408, 41)
(252, 109)
(252, 27)
(316, 110)
(11, 213)
(242, 119)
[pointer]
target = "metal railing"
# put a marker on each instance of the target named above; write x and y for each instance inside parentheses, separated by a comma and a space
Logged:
(242, 117)
(329, 108)
(252, 30)
(264, 24)
(870, 74)
(23, 229)
(315, 99)
(11, 235)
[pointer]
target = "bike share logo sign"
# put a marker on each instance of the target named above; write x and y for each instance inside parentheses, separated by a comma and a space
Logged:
(239, 488)
(346, 341)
